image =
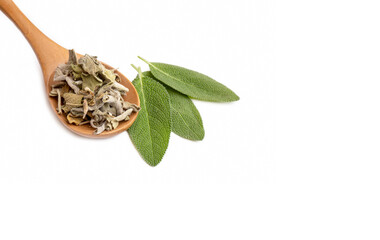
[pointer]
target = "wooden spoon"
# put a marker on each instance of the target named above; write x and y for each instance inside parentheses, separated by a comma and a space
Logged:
(50, 55)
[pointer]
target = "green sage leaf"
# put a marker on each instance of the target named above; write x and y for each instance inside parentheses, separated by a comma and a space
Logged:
(191, 83)
(151, 131)
(186, 120)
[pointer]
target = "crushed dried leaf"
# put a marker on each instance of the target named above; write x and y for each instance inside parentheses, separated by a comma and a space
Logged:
(90, 94)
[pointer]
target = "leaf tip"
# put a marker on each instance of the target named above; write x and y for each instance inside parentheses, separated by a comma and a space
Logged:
(233, 97)
(153, 164)
(236, 98)
(202, 135)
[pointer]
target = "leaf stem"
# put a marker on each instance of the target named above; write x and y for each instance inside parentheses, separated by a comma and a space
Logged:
(138, 69)
(135, 67)
(146, 61)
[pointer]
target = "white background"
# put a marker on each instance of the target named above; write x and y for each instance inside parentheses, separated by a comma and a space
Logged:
(296, 158)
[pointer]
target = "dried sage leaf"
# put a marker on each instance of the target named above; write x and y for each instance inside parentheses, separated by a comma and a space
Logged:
(90, 82)
(72, 98)
(91, 65)
(53, 93)
(59, 101)
(76, 68)
(73, 57)
(74, 120)
(65, 89)
(71, 83)
(108, 75)
(58, 85)
(85, 108)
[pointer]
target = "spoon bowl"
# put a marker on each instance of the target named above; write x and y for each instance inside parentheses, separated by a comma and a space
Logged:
(87, 130)
(50, 55)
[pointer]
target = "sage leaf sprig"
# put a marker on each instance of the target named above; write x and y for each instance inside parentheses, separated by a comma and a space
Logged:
(165, 95)
(151, 131)
(191, 83)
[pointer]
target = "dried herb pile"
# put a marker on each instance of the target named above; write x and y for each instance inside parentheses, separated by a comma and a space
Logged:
(88, 93)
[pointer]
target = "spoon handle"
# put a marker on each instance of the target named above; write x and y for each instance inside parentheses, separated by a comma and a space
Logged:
(43, 47)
